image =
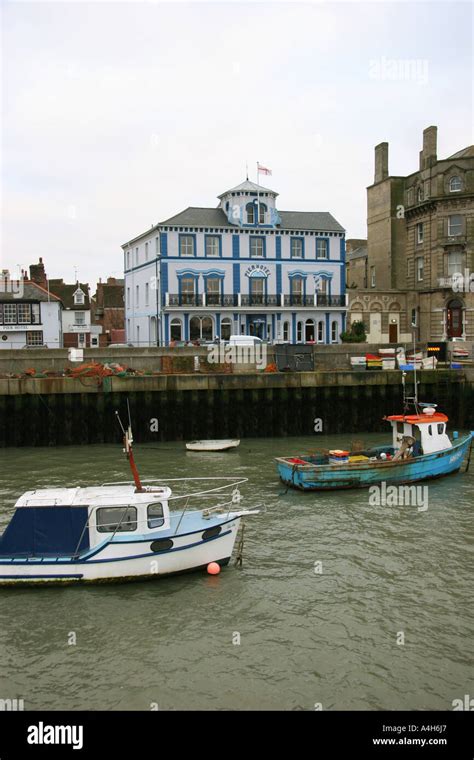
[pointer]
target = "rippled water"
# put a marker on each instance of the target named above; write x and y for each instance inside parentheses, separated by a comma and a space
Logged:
(305, 637)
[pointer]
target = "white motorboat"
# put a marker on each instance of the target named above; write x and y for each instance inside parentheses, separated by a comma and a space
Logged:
(120, 531)
(223, 445)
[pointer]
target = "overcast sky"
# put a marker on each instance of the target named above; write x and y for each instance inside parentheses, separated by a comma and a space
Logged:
(119, 115)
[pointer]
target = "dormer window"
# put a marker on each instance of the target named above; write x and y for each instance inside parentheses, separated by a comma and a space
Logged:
(250, 213)
(262, 212)
(79, 297)
(455, 185)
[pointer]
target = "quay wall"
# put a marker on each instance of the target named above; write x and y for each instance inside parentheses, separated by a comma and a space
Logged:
(61, 411)
(151, 359)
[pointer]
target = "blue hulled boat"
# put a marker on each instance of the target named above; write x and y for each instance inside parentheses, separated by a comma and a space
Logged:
(420, 450)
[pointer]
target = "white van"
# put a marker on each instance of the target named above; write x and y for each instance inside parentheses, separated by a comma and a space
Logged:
(244, 340)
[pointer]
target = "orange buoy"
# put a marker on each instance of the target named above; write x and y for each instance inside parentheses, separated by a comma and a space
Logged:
(213, 568)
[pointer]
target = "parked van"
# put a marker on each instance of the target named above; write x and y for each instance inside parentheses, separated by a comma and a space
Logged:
(244, 340)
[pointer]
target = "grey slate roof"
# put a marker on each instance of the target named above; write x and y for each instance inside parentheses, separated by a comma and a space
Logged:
(357, 253)
(31, 293)
(248, 187)
(322, 221)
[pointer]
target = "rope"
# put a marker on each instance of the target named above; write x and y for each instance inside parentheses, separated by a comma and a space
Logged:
(240, 549)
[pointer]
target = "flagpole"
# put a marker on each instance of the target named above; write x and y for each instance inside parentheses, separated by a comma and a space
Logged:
(258, 193)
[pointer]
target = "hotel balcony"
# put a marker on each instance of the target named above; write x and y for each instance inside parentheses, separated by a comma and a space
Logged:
(239, 300)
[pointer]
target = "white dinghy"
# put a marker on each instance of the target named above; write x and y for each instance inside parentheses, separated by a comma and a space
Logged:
(223, 445)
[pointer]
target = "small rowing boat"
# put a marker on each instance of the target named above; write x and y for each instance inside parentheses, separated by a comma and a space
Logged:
(223, 445)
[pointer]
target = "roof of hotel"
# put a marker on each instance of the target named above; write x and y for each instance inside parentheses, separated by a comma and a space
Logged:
(193, 216)
(248, 187)
(26, 291)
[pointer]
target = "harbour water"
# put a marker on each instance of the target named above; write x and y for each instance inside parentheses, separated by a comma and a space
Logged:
(339, 603)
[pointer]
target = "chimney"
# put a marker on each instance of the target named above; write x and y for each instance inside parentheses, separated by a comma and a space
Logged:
(381, 162)
(428, 154)
(38, 275)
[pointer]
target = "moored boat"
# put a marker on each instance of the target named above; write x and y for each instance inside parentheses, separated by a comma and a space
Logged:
(420, 449)
(222, 445)
(121, 531)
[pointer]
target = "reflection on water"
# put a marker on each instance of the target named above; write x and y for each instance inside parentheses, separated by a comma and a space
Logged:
(305, 636)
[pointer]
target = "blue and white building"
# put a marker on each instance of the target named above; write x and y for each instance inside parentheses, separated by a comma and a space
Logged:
(241, 268)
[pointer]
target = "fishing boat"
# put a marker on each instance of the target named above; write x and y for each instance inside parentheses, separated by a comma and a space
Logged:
(223, 445)
(120, 531)
(420, 449)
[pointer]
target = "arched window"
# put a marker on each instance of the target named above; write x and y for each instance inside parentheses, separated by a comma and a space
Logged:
(226, 327)
(320, 331)
(176, 329)
(262, 210)
(299, 332)
(309, 331)
(250, 213)
(455, 185)
(286, 331)
(200, 328)
(334, 332)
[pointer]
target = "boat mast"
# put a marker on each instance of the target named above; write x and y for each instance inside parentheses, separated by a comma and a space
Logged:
(128, 450)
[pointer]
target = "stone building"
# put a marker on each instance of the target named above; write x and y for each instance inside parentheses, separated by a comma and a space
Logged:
(420, 247)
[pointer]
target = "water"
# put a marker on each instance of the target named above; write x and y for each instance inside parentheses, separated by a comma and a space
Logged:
(305, 637)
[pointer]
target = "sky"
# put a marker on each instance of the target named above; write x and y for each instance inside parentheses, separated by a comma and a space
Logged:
(116, 116)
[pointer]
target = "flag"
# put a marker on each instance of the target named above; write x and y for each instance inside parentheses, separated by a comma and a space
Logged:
(263, 170)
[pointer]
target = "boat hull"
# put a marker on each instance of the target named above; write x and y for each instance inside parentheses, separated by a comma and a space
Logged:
(212, 445)
(120, 560)
(313, 477)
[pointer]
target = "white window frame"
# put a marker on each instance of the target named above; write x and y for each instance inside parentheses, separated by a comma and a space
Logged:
(186, 243)
(458, 181)
(460, 224)
(212, 246)
(420, 232)
(253, 247)
(420, 265)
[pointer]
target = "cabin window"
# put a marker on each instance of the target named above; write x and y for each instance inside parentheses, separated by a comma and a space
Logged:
(116, 519)
(440, 428)
(155, 515)
(161, 545)
(430, 430)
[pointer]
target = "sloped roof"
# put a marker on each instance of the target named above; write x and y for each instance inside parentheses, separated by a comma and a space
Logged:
(31, 293)
(248, 187)
(113, 296)
(66, 294)
(464, 153)
(322, 221)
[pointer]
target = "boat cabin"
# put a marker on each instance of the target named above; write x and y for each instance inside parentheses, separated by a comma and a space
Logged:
(64, 522)
(427, 429)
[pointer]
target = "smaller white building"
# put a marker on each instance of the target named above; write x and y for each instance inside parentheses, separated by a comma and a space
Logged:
(29, 315)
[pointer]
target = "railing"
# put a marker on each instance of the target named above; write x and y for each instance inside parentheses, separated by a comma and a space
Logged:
(232, 300)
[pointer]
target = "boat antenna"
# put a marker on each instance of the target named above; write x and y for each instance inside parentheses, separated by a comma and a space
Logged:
(127, 448)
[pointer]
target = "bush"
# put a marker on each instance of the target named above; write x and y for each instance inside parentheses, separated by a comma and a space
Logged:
(356, 334)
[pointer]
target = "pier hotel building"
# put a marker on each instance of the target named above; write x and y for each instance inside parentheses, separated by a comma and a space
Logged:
(243, 267)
